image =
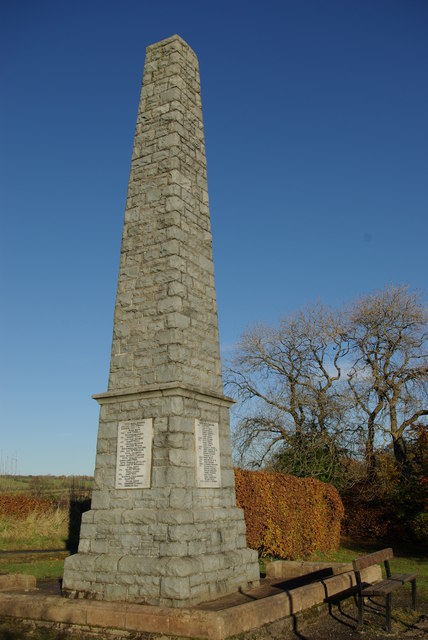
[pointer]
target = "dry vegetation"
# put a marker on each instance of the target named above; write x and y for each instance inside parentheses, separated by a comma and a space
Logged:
(39, 512)
(37, 530)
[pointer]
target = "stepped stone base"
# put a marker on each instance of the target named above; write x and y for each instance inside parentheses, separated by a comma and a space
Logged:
(169, 581)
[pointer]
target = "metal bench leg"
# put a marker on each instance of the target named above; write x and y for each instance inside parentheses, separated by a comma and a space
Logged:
(388, 612)
(360, 610)
(413, 594)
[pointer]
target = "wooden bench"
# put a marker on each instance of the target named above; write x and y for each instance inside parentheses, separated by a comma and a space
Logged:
(384, 587)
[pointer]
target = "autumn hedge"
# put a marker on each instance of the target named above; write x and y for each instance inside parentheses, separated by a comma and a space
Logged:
(288, 517)
(21, 505)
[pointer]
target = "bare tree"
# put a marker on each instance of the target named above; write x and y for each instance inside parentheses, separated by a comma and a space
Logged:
(287, 379)
(389, 377)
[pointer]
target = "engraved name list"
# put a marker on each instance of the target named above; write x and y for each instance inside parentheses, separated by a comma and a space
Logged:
(134, 454)
(207, 454)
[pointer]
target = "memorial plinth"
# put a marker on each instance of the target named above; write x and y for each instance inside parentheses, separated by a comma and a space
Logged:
(163, 527)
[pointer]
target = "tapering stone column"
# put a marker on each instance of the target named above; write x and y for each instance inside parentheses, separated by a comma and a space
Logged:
(164, 528)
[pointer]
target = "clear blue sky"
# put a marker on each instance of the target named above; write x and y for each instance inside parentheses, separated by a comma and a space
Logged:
(316, 125)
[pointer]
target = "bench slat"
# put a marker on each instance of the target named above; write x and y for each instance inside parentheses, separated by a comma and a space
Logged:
(381, 588)
(404, 577)
(372, 558)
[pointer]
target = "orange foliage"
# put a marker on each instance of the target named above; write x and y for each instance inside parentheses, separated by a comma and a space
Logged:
(288, 517)
(21, 505)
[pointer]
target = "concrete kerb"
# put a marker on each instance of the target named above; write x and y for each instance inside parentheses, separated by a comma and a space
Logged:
(289, 569)
(17, 582)
(189, 623)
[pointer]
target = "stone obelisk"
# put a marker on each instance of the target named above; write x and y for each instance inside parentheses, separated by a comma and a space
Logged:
(164, 528)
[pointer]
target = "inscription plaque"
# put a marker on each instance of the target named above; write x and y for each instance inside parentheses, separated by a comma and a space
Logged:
(207, 449)
(134, 454)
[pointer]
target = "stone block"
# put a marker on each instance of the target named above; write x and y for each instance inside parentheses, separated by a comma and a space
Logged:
(140, 592)
(100, 500)
(181, 424)
(103, 578)
(83, 562)
(106, 563)
(173, 549)
(210, 562)
(17, 582)
(100, 615)
(170, 248)
(108, 516)
(115, 592)
(84, 545)
(205, 515)
(180, 476)
(135, 565)
(183, 532)
(177, 353)
(181, 458)
(196, 547)
(175, 516)
(173, 406)
(177, 320)
(177, 288)
(180, 499)
(98, 546)
(168, 372)
(177, 588)
(130, 541)
(139, 516)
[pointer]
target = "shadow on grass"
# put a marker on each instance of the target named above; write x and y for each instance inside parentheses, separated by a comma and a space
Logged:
(401, 547)
(76, 509)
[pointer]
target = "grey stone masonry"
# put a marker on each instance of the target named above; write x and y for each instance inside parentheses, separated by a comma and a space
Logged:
(165, 323)
(176, 538)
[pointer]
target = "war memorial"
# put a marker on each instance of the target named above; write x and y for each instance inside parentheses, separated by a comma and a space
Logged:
(164, 528)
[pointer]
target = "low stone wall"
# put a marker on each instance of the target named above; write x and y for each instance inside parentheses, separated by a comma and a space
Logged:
(289, 569)
(190, 622)
(17, 582)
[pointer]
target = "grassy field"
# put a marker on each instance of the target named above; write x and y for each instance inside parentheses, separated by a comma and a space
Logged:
(46, 486)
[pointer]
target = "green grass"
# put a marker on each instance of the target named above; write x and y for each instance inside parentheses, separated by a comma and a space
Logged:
(404, 561)
(42, 567)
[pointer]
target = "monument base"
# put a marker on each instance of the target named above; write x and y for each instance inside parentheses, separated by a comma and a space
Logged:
(175, 543)
(169, 582)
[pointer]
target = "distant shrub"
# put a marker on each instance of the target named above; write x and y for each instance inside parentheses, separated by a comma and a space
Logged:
(367, 520)
(389, 511)
(20, 505)
(286, 516)
(420, 527)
